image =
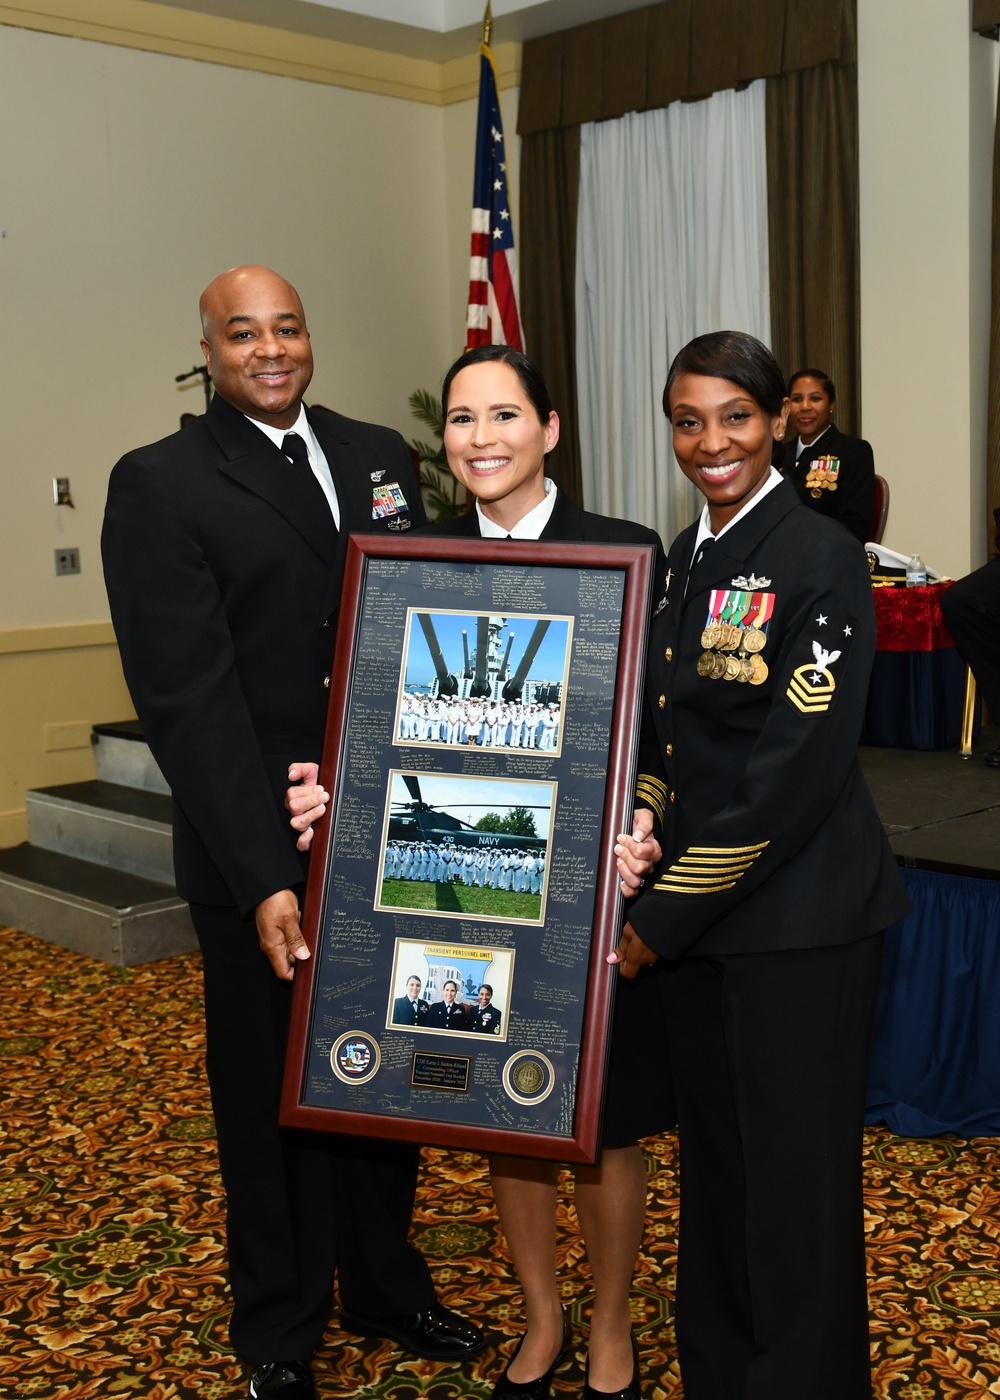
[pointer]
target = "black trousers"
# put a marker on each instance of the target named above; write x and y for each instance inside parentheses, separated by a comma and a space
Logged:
(300, 1206)
(770, 1054)
(971, 611)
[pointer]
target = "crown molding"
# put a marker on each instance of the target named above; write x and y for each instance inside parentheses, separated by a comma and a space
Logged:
(143, 24)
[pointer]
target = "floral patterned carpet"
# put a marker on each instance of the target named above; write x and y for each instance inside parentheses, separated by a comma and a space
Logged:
(112, 1268)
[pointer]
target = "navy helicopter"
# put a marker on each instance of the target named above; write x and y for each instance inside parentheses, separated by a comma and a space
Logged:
(419, 821)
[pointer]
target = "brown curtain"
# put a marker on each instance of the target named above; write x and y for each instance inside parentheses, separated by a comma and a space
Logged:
(647, 58)
(993, 393)
(986, 17)
(813, 227)
(550, 180)
(677, 50)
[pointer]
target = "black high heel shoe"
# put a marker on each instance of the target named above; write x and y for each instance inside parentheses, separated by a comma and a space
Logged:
(629, 1392)
(506, 1389)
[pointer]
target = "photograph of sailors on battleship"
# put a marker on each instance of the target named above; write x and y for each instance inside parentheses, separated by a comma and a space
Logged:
(494, 681)
(466, 846)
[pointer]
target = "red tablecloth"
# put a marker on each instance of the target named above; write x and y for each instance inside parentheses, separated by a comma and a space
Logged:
(909, 619)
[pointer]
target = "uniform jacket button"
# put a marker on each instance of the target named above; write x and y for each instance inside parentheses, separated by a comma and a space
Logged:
(670, 750)
(662, 701)
(673, 797)
(669, 653)
(326, 623)
(326, 682)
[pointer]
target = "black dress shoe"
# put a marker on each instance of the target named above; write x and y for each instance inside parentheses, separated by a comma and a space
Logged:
(437, 1334)
(629, 1392)
(538, 1389)
(282, 1380)
(993, 758)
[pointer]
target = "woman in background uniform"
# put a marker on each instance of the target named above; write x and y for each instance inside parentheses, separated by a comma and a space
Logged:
(832, 472)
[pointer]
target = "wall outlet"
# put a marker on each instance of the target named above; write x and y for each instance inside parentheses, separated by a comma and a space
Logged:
(72, 734)
(67, 561)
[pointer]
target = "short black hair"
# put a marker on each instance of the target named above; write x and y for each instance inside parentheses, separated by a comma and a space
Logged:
(450, 983)
(732, 355)
(486, 988)
(527, 371)
(819, 374)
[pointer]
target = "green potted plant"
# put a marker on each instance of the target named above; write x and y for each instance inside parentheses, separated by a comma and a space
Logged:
(438, 487)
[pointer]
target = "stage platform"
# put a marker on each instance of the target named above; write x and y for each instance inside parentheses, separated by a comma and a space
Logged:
(940, 811)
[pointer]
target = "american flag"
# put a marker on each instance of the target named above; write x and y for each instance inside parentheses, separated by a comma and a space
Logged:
(493, 317)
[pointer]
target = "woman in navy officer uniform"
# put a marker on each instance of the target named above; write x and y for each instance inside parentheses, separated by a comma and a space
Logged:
(499, 428)
(767, 909)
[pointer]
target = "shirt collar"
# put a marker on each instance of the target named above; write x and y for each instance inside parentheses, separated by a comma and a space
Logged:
(530, 526)
(300, 426)
(705, 529)
(800, 447)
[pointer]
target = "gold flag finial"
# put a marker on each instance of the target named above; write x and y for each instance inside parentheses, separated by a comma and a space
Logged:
(487, 23)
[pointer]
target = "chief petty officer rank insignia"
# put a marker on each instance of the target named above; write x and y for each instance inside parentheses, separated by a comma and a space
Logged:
(822, 475)
(735, 634)
(812, 686)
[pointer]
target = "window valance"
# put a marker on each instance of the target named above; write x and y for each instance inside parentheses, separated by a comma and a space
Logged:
(678, 50)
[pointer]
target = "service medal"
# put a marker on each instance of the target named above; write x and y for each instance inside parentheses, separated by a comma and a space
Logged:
(746, 670)
(759, 670)
(816, 492)
(718, 667)
(705, 661)
(732, 668)
(710, 636)
(754, 639)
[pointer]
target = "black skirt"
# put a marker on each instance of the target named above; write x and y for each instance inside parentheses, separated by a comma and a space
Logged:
(639, 1094)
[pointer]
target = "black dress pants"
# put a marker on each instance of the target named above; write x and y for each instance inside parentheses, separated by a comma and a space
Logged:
(770, 1054)
(300, 1206)
(971, 611)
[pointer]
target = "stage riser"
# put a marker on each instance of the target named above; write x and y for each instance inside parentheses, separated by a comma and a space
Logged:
(124, 938)
(115, 839)
(129, 763)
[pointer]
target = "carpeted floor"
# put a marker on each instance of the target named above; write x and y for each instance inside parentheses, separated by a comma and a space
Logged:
(112, 1278)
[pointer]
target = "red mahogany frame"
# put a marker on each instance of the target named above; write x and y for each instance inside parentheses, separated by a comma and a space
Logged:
(637, 563)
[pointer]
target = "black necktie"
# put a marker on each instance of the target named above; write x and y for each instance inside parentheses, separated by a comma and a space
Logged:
(700, 552)
(294, 448)
(699, 555)
(293, 445)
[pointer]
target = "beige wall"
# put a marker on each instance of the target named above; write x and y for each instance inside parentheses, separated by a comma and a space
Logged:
(56, 682)
(129, 179)
(927, 94)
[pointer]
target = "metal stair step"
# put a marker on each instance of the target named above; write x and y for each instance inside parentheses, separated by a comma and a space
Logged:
(122, 756)
(102, 913)
(122, 827)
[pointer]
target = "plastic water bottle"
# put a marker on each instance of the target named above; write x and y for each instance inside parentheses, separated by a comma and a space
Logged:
(916, 572)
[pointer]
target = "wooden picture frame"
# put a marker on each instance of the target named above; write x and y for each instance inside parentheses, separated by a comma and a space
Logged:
(392, 897)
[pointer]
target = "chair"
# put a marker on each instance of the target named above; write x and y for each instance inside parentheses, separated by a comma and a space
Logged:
(881, 511)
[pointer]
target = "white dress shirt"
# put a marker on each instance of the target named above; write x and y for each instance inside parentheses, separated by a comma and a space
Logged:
(317, 457)
(529, 527)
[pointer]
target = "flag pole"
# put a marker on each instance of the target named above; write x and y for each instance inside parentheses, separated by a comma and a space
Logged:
(488, 24)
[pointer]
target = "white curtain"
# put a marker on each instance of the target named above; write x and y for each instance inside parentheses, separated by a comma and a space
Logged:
(671, 243)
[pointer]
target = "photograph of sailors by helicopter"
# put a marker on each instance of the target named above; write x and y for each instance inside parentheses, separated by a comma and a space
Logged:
(440, 987)
(492, 681)
(466, 846)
